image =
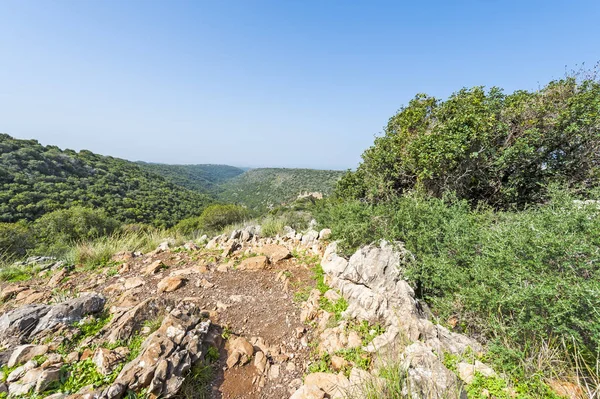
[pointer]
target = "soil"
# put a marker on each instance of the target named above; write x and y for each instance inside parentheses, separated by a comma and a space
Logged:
(251, 304)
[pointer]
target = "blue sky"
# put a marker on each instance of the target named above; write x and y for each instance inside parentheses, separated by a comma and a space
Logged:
(264, 83)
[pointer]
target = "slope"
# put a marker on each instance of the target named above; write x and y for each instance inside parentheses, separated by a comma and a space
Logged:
(267, 187)
(36, 179)
(201, 178)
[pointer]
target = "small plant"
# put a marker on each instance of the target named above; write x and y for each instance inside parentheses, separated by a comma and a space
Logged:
(321, 365)
(197, 383)
(212, 354)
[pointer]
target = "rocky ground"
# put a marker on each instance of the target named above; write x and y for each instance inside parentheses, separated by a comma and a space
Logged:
(238, 317)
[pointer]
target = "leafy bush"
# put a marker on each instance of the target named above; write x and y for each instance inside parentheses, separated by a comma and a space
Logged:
(486, 146)
(522, 276)
(216, 217)
(15, 240)
(67, 226)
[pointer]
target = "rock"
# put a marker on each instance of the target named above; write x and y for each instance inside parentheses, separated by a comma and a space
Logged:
(25, 353)
(20, 324)
(241, 346)
(52, 359)
(190, 246)
(309, 238)
(324, 234)
(170, 284)
(254, 263)
(165, 357)
(20, 371)
(57, 278)
(3, 387)
(30, 296)
(47, 377)
(124, 256)
(467, 371)
(373, 284)
(426, 375)
(274, 371)
(204, 283)
(230, 247)
(338, 363)
(10, 291)
(275, 252)
(332, 296)
(114, 288)
(233, 359)
(72, 357)
(105, 360)
(308, 392)
(190, 270)
(332, 340)
(310, 308)
(354, 340)
(260, 362)
(334, 385)
(133, 282)
(155, 267)
(163, 247)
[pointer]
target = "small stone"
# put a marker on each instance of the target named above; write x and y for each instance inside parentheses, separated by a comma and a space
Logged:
(338, 363)
(260, 362)
(155, 266)
(170, 284)
(354, 340)
(254, 263)
(24, 353)
(133, 282)
(274, 371)
(308, 392)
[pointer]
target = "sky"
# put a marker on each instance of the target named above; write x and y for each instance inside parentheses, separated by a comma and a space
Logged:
(264, 83)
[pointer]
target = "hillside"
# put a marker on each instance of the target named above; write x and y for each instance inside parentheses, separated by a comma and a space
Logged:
(267, 187)
(37, 179)
(201, 178)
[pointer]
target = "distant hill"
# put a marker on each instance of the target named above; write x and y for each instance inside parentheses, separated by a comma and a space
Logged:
(36, 179)
(266, 187)
(202, 178)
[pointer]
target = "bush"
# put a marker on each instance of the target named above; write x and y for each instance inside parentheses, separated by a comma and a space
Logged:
(216, 217)
(60, 229)
(15, 240)
(523, 276)
(486, 146)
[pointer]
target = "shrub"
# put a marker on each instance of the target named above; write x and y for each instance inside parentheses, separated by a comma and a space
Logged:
(61, 228)
(216, 217)
(15, 240)
(522, 276)
(486, 146)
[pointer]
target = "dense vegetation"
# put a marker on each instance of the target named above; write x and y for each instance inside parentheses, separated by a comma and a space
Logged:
(484, 190)
(201, 178)
(261, 189)
(36, 180)
(486, 146)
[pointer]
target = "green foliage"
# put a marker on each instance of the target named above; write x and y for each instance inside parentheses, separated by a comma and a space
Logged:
(523, 276)
(84, 373)
(15, 240)
(261, 189)
(201, 178)
(10, 273)
(216, 217)
(36, 179)
(197, 384)
(486, 146)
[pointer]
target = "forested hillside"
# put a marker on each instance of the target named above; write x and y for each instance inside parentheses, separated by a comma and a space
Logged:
(263, 188)
(37, 179)
(202, 178)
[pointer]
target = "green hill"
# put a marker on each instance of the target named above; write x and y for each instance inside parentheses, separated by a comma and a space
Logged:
(266, 187)
(202, 178)
(37, 179)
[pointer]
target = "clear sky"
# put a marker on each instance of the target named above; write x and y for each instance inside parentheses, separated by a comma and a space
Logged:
(264, 83)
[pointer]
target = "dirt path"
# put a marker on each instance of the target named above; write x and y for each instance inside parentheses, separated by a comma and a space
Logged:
(258, 305)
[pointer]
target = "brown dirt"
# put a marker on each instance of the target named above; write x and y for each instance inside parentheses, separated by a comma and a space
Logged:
(242, 303)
